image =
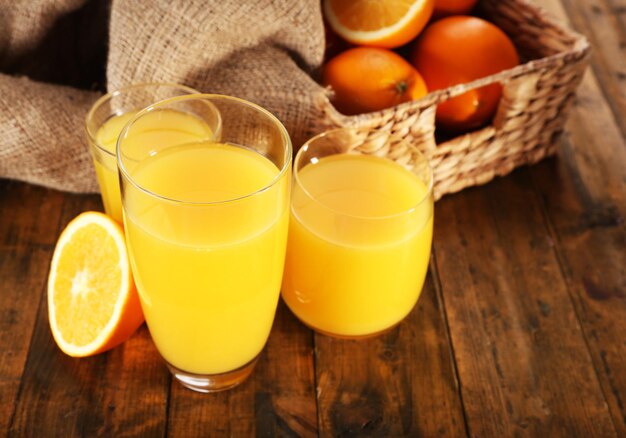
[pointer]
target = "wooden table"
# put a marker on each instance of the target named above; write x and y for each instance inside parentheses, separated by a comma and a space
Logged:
(520, 330)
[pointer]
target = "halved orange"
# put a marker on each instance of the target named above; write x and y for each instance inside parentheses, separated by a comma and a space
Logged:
(387, 24)
(93, 305)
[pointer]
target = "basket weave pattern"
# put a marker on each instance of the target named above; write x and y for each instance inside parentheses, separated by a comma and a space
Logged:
(533, 109)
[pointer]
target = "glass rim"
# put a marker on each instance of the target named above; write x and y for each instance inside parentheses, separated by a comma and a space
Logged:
(210, 97)
(108, 96)
(377, 132)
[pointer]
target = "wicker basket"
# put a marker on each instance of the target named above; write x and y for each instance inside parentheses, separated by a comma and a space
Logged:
(536, 98)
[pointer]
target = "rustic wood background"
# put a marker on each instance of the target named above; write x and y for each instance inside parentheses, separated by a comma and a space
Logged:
(520, 331)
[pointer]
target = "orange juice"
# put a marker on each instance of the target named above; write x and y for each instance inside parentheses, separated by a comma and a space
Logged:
(207, 269)
(359, 243)
(168, 122)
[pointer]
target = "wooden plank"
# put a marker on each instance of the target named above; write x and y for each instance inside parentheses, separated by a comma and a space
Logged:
(584, 194)
(603, 23)
(121, 392)
(134, 397)
(523, 364)
(285, 398)
(584, 197)
(617, 9)
(401, 383)
(277, 400)
(26, 244)
(59, 394)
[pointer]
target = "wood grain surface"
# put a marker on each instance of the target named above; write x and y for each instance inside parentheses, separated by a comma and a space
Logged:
(520, 329)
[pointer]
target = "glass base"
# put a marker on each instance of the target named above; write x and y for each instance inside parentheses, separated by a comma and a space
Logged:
(213, 382)
(352, 337)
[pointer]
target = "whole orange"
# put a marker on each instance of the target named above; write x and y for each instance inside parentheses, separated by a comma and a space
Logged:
(458, 50)
(443, 8)
(366, 79)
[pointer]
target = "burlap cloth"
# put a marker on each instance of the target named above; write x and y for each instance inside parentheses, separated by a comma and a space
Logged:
(53, 51)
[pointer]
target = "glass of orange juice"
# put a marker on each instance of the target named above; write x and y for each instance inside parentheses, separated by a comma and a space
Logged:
(360, 233)
(103, 125)
(206, 224)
